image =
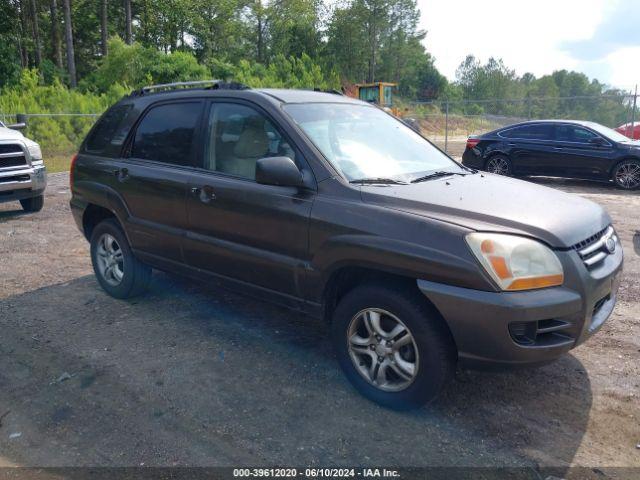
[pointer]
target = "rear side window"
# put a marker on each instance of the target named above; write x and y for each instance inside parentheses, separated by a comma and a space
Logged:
(166, 133)
(108, 130)
(528, 132)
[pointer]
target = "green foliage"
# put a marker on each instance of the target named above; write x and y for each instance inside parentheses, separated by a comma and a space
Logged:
(379, 40)
(562, 94)
(285, 72)
(136, 66)
(56, 134)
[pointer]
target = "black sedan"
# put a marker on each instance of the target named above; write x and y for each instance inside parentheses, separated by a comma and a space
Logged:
(557, 148)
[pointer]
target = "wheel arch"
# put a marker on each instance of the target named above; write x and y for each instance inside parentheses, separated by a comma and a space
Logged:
(93, 215)
(347, 277)
(101, 202)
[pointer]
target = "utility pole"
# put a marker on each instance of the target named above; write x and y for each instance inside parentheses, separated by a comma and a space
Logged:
(633, 113)
(446, 127)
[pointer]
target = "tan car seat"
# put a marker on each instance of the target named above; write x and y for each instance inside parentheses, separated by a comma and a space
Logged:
(252, 144)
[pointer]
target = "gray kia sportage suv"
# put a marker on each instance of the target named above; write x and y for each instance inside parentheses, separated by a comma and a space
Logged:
(333, 207)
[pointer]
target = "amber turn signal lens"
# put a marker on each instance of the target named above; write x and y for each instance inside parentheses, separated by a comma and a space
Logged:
(536, 282)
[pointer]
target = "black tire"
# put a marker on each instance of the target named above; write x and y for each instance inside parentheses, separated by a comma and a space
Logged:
(500, 165)
(135, 274)
(33, 204)
(626, 175)
(436, 356)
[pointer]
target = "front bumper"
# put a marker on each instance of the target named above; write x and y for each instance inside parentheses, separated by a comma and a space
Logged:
(23, 182)
(486, 325)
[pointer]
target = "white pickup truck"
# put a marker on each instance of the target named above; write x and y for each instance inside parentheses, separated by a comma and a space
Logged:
(23, 175)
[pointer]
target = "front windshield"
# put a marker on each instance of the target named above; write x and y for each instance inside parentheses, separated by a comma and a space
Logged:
(609, 133)
(363, 142)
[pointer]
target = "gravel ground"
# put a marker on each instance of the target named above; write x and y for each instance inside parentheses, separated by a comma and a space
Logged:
(192, 375)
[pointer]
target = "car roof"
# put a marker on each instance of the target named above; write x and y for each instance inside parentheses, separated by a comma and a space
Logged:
(583, 123)
(272, 95)
(306, 96)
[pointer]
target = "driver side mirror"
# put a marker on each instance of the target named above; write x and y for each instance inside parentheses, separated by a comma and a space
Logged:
(280, 171)
(17, 126)
(597, 141)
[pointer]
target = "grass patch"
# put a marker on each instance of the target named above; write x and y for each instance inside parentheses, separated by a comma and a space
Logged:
(58, 163)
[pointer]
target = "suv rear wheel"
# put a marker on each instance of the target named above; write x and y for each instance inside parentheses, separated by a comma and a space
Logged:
(118, 271)
(33, 204)
(392, 346)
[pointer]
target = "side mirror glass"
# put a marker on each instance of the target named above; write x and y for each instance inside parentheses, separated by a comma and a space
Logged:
(280, 171)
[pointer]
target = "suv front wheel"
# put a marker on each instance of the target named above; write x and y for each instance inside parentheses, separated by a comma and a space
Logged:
(118, 271)
(392, 346)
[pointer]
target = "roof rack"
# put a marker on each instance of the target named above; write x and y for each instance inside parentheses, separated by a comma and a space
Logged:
(212, 84)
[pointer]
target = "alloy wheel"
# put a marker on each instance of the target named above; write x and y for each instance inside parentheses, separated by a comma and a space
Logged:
(110, 260)
(498, 165)
(628, 175)
(382, 349)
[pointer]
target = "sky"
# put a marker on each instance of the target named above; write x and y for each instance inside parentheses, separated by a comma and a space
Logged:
(600, 38)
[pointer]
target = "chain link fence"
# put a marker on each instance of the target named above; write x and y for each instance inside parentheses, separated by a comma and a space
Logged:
(59, 134)
(446, 123)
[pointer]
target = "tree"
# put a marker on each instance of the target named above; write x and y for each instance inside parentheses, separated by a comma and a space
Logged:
(104, 27)
(11, 51)
(56, 45)
(71, 61)
(36, 33)
(128, 35)
(24, 41)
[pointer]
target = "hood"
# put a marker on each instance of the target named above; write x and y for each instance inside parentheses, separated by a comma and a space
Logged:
(8, 134)
(487, 202)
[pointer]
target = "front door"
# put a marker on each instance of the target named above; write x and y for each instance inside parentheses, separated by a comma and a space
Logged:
(238, 228)
(582, 153)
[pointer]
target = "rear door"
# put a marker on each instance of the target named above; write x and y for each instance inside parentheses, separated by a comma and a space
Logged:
(153, 179)
(530, 148)
(238, 228)
(582, 152)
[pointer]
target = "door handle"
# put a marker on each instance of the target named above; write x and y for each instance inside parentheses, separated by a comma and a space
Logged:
(122, 174)
(205, 194)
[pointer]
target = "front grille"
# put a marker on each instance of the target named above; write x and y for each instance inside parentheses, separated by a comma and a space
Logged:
(15, 178)
(12, 155)
(594, 249)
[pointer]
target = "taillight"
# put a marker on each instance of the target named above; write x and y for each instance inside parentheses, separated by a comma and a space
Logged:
(472, 142)
(72, 167)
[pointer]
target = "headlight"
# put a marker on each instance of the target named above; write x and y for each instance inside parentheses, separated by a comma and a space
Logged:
(516, 263)
(34, 151)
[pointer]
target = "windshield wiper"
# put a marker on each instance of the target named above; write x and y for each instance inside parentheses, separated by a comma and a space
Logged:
(374, 181)
(440, 173)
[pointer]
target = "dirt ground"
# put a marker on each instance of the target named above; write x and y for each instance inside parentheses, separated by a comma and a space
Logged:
(192, 375)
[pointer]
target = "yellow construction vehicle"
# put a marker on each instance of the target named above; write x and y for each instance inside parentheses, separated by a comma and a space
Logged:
(380, 93)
